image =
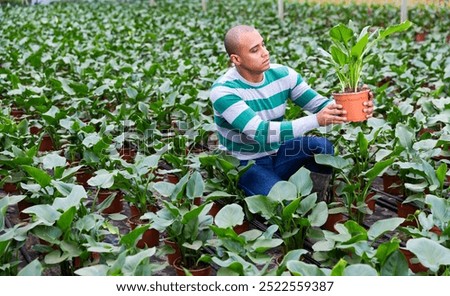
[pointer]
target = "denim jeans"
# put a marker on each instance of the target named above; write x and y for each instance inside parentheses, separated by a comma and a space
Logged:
(291, 156)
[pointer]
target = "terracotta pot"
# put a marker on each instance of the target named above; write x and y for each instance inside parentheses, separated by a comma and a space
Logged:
(34, 130)
(171, 257)
(10, 188)
(205, 271)
(172, 178)
(22, 205)
(46, 144)
(404, 210)
(127, 154)
(215, 209)
(82, 176)
(150, 238)
(134, 210)
(332, 220)
(421, 36)
(371, 203)
(198, 201)
(415, 267)
(116, 205)
(245, 226)
(392, 185)
(17, 113)
(353, 104)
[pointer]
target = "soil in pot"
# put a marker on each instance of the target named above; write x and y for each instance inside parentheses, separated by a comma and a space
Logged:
(204, 270)
(353, 104)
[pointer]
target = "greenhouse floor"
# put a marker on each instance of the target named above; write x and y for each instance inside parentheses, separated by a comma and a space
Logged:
(385, 208)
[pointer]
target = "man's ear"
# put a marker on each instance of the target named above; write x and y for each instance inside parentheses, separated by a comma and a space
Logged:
(235, 59)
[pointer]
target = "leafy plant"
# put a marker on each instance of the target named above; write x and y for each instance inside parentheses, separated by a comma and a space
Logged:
(349, 50)
(291, 206)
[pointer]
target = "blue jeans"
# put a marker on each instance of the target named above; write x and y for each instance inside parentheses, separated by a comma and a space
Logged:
(291, 156)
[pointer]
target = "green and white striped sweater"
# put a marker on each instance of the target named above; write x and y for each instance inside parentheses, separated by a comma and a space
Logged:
(249, 116)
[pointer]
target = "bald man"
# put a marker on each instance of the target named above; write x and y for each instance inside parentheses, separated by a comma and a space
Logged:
(249, 103)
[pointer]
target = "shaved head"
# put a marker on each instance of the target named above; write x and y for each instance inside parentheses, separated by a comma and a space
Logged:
(232, 38)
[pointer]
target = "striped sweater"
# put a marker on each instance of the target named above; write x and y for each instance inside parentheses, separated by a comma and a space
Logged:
(249, 116)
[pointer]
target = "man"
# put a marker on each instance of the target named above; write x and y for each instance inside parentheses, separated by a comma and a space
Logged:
(249, 103)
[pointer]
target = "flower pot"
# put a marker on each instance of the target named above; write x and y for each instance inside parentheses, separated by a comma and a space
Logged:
(404, 210)
(127, 154)
(134, 210)
(22, 205)
(201, 271)
(332, 220)
(371, 203)
(215, 209)
(116, 205)
(17, 113)
(415, 267)
(392, 185)
(150, 238)
(172, 178)
(420, 36)
(245, 226)
(353, 104)
(82, 176)
(46, 144)
(10, 188)
(177, 254)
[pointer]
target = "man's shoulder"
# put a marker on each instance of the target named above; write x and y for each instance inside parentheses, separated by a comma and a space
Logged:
(229, 78)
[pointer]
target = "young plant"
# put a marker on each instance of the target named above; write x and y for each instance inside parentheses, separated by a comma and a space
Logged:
(291, 206)
(349, 50)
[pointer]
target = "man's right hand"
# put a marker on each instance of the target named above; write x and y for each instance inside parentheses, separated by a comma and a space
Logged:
(331, 114)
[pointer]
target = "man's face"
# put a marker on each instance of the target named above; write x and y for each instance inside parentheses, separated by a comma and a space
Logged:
(252, 54)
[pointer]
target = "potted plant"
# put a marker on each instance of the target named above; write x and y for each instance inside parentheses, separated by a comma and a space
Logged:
(347, 54)
(292, 207)
(356, 169)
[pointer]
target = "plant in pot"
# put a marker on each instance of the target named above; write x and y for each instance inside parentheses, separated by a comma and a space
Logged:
(348, 53)
(358, 245)
(291, 206)
(357, 168)
(245, 254)
(187, 226)
(137, 183)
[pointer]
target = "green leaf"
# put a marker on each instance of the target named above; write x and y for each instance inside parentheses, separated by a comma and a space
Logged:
(195, 186)
(95, 270)
(40, 176)
(341, 33)
(360, 270)
(302, 179)
(283, 191)
(337, 162)
(381, 226)
(45, 213)
(34, 268)
(65, 220)
(132, 262)
(430, 253)
(130, 239)
(319, 215)
(229, 216)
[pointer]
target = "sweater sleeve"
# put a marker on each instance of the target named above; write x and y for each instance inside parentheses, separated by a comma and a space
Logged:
(304, 96)
(241, 117)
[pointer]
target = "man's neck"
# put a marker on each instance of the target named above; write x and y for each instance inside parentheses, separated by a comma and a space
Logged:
(251, 77)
